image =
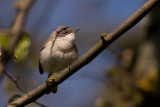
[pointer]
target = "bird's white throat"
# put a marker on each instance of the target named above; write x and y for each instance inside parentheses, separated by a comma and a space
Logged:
(65, 42)
(61, 44)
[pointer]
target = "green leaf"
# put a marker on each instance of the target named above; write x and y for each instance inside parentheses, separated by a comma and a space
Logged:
(13, 98)
(21, 50)
(3, 41)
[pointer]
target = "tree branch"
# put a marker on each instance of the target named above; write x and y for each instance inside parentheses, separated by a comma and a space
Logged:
(18, 23)
(87, 57)
(15, 32)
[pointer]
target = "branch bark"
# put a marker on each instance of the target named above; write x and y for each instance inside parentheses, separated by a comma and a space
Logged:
(87, 57)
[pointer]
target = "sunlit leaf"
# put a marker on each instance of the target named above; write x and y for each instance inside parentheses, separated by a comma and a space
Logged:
(21, 50)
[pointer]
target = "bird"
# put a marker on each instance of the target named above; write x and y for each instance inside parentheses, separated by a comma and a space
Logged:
(58, 51)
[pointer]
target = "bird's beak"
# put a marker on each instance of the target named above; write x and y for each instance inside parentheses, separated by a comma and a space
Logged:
(75, 30)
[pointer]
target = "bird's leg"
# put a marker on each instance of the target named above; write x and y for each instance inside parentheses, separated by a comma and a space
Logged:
(69, 67)
(51, 78)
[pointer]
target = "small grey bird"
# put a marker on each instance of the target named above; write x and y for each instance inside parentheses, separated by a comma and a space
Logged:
(58, 51)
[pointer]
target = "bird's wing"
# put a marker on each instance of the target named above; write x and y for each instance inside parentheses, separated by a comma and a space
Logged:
(40, 67)
(53, 36)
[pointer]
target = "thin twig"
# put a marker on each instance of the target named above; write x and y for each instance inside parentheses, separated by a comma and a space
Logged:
(15, 81)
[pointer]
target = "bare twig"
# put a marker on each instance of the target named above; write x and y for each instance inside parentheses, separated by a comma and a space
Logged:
(19, 88)
(15, 82)
(87, 57)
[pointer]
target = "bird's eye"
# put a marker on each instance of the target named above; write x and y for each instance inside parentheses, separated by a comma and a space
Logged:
(65, 32)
